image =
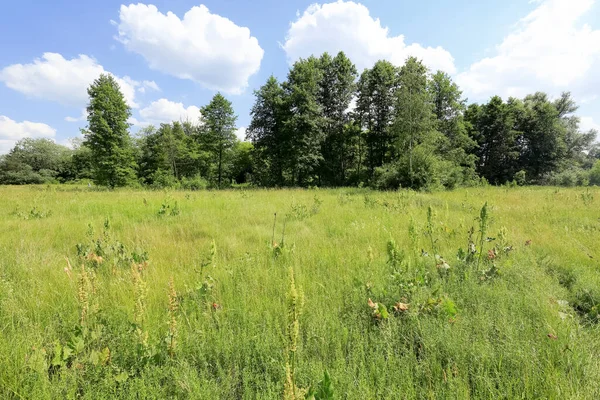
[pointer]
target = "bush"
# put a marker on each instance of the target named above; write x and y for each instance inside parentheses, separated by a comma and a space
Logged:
(194, 183)
(520, 178)
(162, 179)
(594, 174)
(569, 178)
(429, 171)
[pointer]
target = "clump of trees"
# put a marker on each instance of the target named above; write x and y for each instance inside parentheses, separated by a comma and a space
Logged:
(327, 125)
(187, 154)
(408, 128)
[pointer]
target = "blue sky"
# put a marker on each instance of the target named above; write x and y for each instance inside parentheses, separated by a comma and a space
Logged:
(171, 56)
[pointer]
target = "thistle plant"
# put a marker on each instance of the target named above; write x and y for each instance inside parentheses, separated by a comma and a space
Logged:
(483, 226)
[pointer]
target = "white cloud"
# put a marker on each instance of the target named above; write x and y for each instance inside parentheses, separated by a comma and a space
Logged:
(588, 123)
(82, 117)
(348, 26)
(241, 133)
(166, 111)
(12, 131)
(150, 85)
(202, 47)
(65, 81)
(547, 50)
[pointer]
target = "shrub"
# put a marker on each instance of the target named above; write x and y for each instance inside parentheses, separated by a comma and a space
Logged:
(594, 174)
(164, 179)
(520, 178)
(194, 183)
(429, 171)
(568, 178)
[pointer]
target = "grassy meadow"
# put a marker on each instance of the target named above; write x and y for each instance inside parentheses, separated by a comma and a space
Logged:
(154, 294)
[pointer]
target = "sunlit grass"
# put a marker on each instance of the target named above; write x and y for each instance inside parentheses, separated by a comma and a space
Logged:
(528, 331)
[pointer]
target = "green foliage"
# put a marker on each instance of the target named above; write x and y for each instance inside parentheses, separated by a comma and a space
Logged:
(107, 135)
(569, 177)
(304, 125)
(267, 133)
(169, 207)
(36, 161)
(217, 132)
(408, 128)
(337, 88)
(375, 112)
(595, 174)
(33, 213)
(531, 310)
(196, 182)
(324, 389)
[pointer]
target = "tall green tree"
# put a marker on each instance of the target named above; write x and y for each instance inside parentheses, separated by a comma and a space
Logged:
(267, 133)
(543, 136)
(414, 118)
(578, 144)
(304, 127)
(218, 131)
(33, 161)
(492, 126)
(375, 111)
(337, 88)
(107, 135)
(167, 154)
(449, 108)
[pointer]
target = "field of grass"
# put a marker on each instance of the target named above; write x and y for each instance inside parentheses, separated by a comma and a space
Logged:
(189, 294)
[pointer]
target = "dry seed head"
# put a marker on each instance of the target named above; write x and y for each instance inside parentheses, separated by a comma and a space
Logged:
(140, 293)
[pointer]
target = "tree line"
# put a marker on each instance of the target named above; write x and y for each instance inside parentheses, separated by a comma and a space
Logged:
(327, 125)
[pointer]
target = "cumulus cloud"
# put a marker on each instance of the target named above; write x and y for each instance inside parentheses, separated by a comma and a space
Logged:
(148, 85)
(588, 123)
(547, 50)
(166, 111)
(203, 47)
(12, 131)
(348, 26)
(55, 78)
(82, 117)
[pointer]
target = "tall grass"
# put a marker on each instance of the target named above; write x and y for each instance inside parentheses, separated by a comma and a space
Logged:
(512, 312)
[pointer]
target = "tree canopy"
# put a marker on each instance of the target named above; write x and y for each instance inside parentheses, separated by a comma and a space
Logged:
(327, 124)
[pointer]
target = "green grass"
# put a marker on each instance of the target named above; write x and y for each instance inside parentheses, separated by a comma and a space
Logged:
(526, 328)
